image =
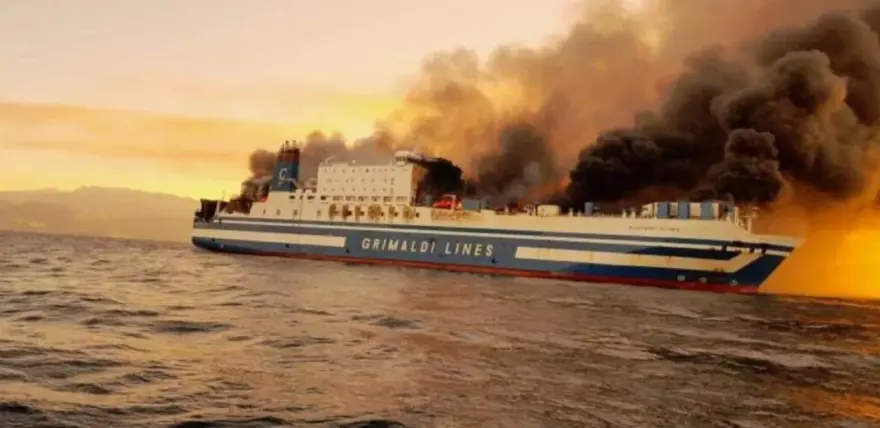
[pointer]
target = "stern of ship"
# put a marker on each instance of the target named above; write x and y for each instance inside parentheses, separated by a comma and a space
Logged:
(202, 218)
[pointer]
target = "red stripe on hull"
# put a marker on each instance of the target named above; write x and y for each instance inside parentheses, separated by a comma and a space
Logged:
(683, 285)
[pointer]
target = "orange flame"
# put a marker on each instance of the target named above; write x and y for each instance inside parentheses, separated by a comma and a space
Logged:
(841, 254)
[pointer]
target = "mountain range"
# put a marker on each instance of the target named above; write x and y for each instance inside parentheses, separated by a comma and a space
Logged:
(98, 211)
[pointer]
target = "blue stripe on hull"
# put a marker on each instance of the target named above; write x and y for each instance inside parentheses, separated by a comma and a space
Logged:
(472, 230)
(589, 246)
(441, 251)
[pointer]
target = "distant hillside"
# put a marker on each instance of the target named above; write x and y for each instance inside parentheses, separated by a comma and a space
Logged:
(98, 211)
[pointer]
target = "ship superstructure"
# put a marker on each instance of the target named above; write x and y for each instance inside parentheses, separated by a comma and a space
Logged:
(373, 213)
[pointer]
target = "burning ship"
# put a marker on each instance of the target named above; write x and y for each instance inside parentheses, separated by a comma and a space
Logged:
(372, 213)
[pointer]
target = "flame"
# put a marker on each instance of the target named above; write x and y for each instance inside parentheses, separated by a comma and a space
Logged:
(840, 258)
(832, 263)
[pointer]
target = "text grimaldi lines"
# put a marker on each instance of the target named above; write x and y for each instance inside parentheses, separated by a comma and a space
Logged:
(450, 248)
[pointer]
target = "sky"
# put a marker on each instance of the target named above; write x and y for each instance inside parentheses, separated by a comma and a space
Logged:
(171, 95)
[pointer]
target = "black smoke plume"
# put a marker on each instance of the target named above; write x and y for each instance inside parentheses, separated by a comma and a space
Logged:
(523, 162)
(805, 107)
(441, 177)
(724, 108)
(749, 172)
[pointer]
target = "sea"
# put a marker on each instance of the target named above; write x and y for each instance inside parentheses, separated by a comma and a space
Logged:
(98, 332)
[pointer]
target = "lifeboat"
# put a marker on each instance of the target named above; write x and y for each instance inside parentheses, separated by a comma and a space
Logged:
(409, 213)
(374, 211)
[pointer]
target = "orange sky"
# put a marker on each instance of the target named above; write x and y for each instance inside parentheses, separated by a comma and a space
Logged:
(170, 96)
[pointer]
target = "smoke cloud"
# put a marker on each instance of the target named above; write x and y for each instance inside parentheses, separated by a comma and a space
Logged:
(522, 162)
(261, 163)
(715, 109)
(749, 172)
(803, 106)
(682, 98)
(441, 177)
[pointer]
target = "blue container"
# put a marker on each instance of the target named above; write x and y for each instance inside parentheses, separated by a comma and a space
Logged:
(707, 210)
(662, 209)
(684, 209)
(470, 204)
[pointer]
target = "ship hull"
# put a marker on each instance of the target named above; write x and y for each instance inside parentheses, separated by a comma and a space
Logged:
(668, 262)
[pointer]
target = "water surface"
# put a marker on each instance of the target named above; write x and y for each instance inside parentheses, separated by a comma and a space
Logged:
(98, 332)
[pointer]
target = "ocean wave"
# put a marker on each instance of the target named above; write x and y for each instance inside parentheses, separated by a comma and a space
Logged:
(110, 333)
